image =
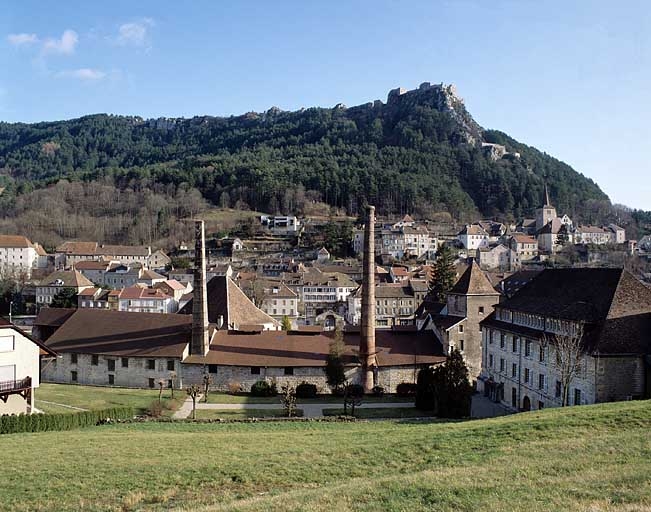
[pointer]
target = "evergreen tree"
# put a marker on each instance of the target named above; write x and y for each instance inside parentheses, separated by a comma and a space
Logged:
(563, 237)
(286, 323)
(443, 275)
(334, 369)
(445, 389)
(66, 298)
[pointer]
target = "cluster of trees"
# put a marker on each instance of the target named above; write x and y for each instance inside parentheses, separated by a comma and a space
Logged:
(404, 157)
(142, 212)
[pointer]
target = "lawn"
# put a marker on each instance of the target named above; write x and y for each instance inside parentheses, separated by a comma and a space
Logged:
(595, 458)
(380, 412)
(226, 398)
(230, 414)
(95, 397)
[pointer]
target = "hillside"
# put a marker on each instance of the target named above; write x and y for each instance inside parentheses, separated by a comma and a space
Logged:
(581, 458)
(419, 152)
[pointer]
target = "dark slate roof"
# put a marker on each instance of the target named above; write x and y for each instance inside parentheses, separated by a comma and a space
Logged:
(512, 284)
(473, 282)
(53, 317)
(444, 322)
(584, 294)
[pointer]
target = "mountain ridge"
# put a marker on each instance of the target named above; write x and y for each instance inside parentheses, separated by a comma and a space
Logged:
(420, 151)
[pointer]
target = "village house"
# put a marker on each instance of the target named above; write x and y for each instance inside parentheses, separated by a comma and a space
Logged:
(279, 302)
(395, 303)
(19, 369)
(605, 312)
(525, 246)
(321, 292)
(47, 289)
(473, 237)
(95, 298)
(498, 258)
(593, 235)
(68, 254)
(19, 256)
(144, 300)
(399, 241)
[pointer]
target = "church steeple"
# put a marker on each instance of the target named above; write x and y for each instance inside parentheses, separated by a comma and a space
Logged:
(547, 201)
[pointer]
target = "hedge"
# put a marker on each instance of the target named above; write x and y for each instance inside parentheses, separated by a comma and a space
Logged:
(10, 424)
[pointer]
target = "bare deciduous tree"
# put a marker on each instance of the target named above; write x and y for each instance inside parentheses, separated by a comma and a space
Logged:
(568, 356)
(193, 392)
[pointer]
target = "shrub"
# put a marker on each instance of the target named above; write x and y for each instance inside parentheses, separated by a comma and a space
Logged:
(355, 390)
(406, 389)
(338, 391)
(377, 391)
(234, 387)
(49, 422)
(155, 409)
(263, 388)
(306, 390)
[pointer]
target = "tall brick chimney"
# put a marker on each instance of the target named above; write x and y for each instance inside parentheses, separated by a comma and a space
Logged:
(200, 342)
(367, 338)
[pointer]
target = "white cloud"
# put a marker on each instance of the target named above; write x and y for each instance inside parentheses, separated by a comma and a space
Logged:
(66, 45)
(84, 74)
(22, 39)
(134, 33)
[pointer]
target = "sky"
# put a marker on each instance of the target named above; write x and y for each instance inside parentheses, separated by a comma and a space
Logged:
(570, 78)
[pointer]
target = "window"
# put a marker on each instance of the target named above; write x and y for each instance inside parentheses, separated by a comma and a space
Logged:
(541, 405)
(94, 360)
(212, 368)
(461, 344)
(6, 343)
(502, 364)
(289, 370)
(111, 365)
(169, 384)
(73, 358)
(502, 341)
(151, 364)
(558, 389)
(490, 360)
(527, 348)
(541, 381)
(515, 344)
(111, 378)
(73, 376)
(170, 365)
(255, 370)
(481, 310)
(514, 397)
(577, 396)
(526, 374)
(461, 328)
(514, 370)
(152, 383)
(541, 354)
(125, 362)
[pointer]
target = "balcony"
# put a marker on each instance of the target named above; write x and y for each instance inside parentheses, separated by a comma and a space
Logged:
(22, 387)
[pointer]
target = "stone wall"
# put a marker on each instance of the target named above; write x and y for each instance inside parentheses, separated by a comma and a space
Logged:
(619, 378)
(136, 375)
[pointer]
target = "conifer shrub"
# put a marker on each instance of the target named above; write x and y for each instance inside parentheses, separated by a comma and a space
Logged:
(355, 390)
(377, 391)
(12, 424)
(264, 388)
(406, 389)
(306, 390)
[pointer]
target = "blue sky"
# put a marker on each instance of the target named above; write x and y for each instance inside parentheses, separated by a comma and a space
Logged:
(571, 78)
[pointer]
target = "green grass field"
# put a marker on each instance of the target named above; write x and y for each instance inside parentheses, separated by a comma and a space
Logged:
(95, 397)
(226, 398)
(229, 414)
(379, 412)
(595, 458)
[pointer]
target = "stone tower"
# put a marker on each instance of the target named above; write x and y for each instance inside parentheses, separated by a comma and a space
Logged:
(200, 341)
(471, 300)
(545, 214)
(367, 338)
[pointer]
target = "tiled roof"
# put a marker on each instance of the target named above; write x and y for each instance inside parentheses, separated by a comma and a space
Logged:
(472, 229)
(473, 282)
(225, 299)
(69, 278)
(81, 248)
(53, 317)
(121, 333)
(136, 292)
(92, 265)
(15, 241)
(524, 239)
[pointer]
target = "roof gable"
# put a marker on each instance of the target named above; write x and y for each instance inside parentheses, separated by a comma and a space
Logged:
(473, 282)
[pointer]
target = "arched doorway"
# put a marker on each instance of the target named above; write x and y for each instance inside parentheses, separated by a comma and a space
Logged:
(526, 404)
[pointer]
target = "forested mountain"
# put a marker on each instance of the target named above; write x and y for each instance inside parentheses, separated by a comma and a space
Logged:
(419, 152)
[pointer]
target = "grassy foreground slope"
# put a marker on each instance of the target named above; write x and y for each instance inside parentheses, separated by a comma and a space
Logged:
(584, 458)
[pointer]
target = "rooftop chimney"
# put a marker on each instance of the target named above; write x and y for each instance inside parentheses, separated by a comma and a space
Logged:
(367, 339)
(200, 342)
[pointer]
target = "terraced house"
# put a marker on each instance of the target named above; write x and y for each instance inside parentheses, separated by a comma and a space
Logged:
(607, 312)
